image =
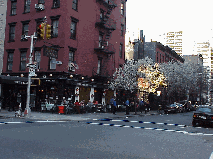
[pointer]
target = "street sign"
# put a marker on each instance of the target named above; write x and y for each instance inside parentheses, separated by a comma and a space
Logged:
(32, 72)
(51, 51)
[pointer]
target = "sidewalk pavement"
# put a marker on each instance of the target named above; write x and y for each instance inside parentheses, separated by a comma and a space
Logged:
(71, 117)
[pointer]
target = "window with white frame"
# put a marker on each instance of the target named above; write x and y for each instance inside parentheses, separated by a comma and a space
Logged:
(52, 63)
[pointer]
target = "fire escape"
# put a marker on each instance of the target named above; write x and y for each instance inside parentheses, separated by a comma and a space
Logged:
(106, 26)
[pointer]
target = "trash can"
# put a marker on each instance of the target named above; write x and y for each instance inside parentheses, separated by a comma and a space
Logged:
(60, 109)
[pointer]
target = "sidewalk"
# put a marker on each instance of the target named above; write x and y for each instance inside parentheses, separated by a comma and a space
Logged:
(72, 117)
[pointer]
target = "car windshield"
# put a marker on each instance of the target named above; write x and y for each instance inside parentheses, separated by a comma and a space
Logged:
(207, 110)
(172, 105)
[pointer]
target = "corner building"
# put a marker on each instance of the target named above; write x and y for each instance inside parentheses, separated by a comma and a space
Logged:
(88, 35)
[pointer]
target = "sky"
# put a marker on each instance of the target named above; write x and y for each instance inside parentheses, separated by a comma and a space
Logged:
(156, 17)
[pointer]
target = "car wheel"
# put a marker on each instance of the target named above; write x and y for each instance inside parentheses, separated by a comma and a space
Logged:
(195, 124)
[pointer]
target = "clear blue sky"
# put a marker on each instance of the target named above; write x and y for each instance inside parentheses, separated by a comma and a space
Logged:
(155, 17)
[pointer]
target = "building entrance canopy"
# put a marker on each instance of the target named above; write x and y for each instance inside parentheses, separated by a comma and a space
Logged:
(13, 80)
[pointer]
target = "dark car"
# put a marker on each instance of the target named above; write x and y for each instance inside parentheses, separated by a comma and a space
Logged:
(171, 109)
(203, 116)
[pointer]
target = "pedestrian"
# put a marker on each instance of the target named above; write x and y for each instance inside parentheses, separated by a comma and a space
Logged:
(89, 106)
(127, 107)
(114, 107)
(141, 105)
(77, 106)
(111, 103)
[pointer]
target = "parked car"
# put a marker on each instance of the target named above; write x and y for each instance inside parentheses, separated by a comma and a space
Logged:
(203, 116)
(172, 108)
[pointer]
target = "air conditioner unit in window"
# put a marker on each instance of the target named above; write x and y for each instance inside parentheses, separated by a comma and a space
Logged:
(58, 62)
(39, 6)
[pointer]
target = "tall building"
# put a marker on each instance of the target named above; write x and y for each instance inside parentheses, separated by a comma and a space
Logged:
(85, 47)
(174, 41)
(205, 50)
(134, 49)
(3, 9)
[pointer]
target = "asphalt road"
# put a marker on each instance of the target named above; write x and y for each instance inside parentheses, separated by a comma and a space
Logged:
(79, 140)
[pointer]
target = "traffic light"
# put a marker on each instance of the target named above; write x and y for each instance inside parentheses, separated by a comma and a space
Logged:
(48, 31)
(41, 30)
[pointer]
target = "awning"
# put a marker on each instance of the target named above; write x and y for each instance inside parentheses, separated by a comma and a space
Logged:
(13, 80)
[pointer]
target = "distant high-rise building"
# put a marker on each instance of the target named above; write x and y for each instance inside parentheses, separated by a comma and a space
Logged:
(205, 50)
(174, 41)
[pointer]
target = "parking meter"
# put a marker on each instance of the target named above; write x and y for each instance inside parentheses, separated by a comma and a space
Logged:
(19, 98)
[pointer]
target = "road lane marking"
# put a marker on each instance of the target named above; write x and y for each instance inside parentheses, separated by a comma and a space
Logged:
(136, 127)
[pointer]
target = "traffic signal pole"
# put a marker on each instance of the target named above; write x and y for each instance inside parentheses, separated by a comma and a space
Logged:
(32, 67)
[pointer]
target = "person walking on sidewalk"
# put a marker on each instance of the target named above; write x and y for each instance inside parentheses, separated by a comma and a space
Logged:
(141, 105)
(114, 106)
(127, 107)
(111, 103)
(77, 106)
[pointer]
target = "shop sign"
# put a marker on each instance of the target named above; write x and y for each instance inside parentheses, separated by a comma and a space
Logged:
(19, 82)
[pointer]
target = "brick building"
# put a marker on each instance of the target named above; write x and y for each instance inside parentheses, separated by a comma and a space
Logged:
(160, 53)
(89, 36)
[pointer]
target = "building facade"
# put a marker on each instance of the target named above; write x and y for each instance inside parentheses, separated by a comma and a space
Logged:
(160, 53)
(86, 46)
(3, 9)
(205, 50)
(174, 41)
(134, 49)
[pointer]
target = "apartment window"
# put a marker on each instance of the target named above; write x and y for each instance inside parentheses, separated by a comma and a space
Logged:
(55, 28)
(100, 40)
(41, 1)
(160, 58)
(25, 26)
(75, 5)
(122, 29)
(157, 57)
(71, 56)
(120, 50)
(23, 59)
(10, 53)
(99, 66)
(101, 14)
(52, 63)
(12, 32)
(55, 22)
(56, 3)
(27, 6)
(122, 9)
(73, 28)
(37, 57)
(13, 7)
